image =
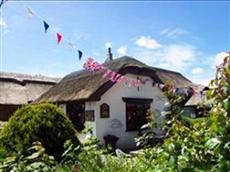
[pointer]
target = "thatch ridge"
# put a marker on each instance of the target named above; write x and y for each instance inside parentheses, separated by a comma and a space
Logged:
(18, 89)
(19, 77)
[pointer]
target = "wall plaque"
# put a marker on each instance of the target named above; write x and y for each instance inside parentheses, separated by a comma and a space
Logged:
(116, 123)
(89, 115)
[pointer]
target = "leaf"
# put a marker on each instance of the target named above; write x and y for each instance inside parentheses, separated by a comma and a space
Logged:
(212, 143)
(145, 126)
(227, 104)
(36, 165)
(33, 156)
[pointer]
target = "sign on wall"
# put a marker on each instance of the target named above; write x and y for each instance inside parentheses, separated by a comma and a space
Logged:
(89, 115)
(116, 123)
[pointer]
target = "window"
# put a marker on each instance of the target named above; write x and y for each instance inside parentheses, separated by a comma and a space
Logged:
(136, 112)
(104, 110)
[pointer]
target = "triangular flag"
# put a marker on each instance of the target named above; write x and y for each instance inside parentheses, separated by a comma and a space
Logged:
(46, 26)
(80, 54)
(30, 12)
(59, 38)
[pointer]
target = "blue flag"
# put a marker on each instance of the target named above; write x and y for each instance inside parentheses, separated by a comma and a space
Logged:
(46, 26)
(2, 2)
(80, 54)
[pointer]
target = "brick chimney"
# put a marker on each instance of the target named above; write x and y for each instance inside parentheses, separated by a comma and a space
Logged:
(109, 55)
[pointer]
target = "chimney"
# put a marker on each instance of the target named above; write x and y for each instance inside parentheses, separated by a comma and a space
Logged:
(109, 55)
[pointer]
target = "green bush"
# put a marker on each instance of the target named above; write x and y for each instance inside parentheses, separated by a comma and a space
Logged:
(43, 122)
(34, 159)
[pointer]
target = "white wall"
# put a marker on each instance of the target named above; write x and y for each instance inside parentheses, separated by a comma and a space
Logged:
(113, 97)
(93, 106)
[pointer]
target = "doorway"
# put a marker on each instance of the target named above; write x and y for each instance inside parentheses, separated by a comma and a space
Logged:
(76, 113)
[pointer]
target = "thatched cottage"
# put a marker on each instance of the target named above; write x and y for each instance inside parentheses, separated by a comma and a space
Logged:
(198, 104)
(110, 107)
(20, 89)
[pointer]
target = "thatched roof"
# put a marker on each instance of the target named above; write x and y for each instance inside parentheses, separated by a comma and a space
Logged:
(18, 89)
(198, 97)
(82, 85)
(178, 79)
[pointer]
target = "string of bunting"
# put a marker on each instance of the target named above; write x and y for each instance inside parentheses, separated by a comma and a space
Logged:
(2, 2)
(59, 35)
(92, 66)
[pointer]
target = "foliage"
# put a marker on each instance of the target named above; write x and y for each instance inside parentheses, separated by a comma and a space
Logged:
(33, 159)
(204, 145)
(183, 148)
(220, 114)
(192, 121)
(200, 146)
(146, 135)
(90, 158)
(42, 122)
(174, 112)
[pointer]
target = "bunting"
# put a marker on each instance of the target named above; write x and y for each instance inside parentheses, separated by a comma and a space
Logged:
(59, 36)
(92, 66)
(80, 54)
(30, 12)
(71, 45)
(46, 26)
(2, 2)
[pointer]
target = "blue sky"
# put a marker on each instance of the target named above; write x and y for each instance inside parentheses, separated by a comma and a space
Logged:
(189, 37)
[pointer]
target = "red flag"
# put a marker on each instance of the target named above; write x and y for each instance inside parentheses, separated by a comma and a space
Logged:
(59, 38)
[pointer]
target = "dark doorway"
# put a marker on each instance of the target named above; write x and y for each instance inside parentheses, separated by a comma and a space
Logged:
(6, 111)
(76, 113)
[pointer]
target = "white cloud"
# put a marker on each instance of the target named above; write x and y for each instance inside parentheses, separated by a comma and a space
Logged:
(122, 50)
(219, 58)
(147, 42)
(176, 57)
(197, 70)
(205, 77)
(173, 33)
(2, 23)
(108, 44)
(179, 56)
(201, 80)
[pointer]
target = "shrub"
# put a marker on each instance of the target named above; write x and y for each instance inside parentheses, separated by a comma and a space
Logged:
(33, 159)
(42, 122)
